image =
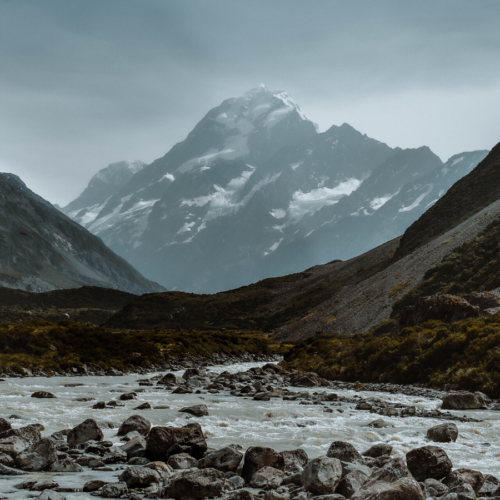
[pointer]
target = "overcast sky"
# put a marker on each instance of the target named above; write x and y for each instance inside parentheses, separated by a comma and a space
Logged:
(86, 83)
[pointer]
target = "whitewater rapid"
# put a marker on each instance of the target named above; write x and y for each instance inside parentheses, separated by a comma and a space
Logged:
(282, 425)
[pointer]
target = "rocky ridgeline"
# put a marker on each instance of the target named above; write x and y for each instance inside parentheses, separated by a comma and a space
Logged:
(176, 462)
(174, 364)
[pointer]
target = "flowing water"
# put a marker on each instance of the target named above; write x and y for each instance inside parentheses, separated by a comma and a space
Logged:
(276, 423)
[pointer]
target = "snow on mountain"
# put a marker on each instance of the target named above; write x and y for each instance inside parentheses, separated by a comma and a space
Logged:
(255, 191)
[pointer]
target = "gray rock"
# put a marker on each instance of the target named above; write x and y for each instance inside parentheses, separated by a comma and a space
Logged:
(43, 395)
(294, 460)
(25, 485)
(93, 485)
(139, 477)
(267, 477)
(135, 423)
(182, 461)
(65, 465)
(237, 481)
(51, 495)
(196, 410)
(322, 475)
(428, 462)
(443, 433)
(162, 468)
(462, 491)
(434, 488)
(460, 476)
(226, 459)
(351, 483)
(114, 490)
(4, 425)
(6, 460)
(257, 457)
(88, 430)
(380, 423)
(491, 483)
(138, 461)
(463, 400)
(240, 495)
(14, 441)
(115, 455)
(9, 471)
(45, 484)
(39, 456)
(341, 450)
(136, 447)
(194, 485)
(378, 450)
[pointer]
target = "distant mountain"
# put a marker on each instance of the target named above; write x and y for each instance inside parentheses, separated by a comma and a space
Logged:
(101, 187)
(256, 191)
(42, 249)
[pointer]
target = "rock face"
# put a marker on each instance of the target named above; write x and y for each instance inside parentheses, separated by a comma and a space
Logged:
(88, 430)
(226, 460)
(428, 462)
(463, 400)
(36, 259)
(322, 475)
(446, 308)
(39, 456)
(443, 433)
(135, 423)
(194, 485)
(343, 451)
(139, 477)
(189, 438)
(257, 457)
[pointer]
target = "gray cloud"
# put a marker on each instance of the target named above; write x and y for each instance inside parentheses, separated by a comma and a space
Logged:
(86, 83)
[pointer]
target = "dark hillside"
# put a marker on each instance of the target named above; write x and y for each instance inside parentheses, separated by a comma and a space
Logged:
(466, 197)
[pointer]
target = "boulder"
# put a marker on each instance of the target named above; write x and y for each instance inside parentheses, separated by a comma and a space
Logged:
(469, 476)
(4, 425)
(88, 430)
(139, 477)
(162, 468)
(43, 395)
(341, 450)
(273, 367)
(114, 490)
(194, 485)
(380, 424)
(192, 372)
(351, 483)
(237, 481)
(226, 460)
(44, 484)
(6, 460)
(128, 396)
(51, 495)
(257, 457)
(463, 400)
(93, 485)
(322, 475)
(428, 462)
(182, 461)
(9, 471)
(135, 423)
(445, 308)
(168, 379)
(378, 450)
(14, 441)
(196, 410)
(434, 488)
(491, 483)
(294, 461)
(66, 465)
(143, 406)
(305, 379)
(262, 396)
(393, 481)
(39, 456)
(161, 440)
(240, 495)
(267, 477)
(115, 455)
(136, 447)
(462, 491)
(443, 433)
(483, 300)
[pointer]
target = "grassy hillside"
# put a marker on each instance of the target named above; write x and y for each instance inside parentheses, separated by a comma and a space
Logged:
(466, 197)
(466, 353)
(472, 267)
(64, 345)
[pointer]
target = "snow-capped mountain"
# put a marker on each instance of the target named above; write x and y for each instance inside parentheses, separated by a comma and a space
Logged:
(42, 249)
(256, 191)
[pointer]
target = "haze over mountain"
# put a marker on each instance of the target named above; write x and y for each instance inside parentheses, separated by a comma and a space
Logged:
(42, 249)
(256, 191)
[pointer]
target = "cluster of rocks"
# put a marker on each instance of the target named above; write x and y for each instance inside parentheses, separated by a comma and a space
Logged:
(173, 364)
(176, 463)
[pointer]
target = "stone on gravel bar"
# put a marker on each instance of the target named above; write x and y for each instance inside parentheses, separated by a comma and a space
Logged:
(378, 450)
(226, 459)
(322, 475)
(267, 477)
(114, 490)
(194, 485)
(39, 456)
(139, 477)
(182, 461)
(135, 423)
(88, 430)
(257, 457)
(344, 451)
(428, 462)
